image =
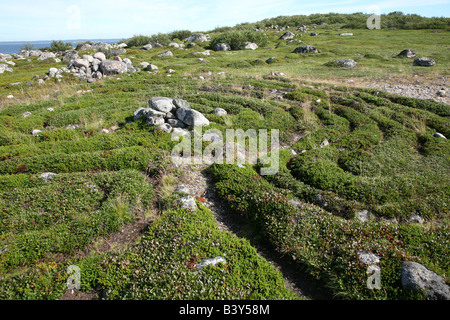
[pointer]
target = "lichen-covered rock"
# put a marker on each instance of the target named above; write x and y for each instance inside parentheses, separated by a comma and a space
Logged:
(420, 279)
(305, 49)
(192, 117)
(112, 67)
(346, 63)
(424, 62)
(162, 104)
(407, 53)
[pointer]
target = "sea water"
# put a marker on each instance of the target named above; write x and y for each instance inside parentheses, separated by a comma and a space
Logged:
(11, 47)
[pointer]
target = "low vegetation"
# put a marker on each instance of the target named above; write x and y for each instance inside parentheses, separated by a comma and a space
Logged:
(358, 167)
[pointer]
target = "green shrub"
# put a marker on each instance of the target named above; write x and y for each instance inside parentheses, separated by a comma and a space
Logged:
(180, 34)
(137, 158)
(57, 46)
(327, 246)
(138, 41)
(66, 213)
(237, 39)
(167, 260)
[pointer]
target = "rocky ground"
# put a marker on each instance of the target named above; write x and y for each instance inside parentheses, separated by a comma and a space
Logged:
(436, 90)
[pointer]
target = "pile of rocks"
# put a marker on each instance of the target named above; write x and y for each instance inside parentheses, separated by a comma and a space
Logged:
(421, 62)
(42, 55)
(169, 113)
(94, 67)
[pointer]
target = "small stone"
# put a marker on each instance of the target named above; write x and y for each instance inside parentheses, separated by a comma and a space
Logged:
(164, 127)
(368, 258)
(415, 218)
(167, 53)
(439, 135)
(26, 114)
(188, 202)
(155, 121)
(220, 112)
(324, 143)
(441, 92)
(47, 176)
(211, 261)
(363, 215)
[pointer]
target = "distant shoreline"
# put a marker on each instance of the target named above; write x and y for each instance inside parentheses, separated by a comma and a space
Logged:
(11, 47)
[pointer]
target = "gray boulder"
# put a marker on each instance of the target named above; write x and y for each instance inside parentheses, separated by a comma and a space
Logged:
(346, 63)
(424, 62)
(155, 121)
(407, 53)
(46, 55)
(162, 104)
(70, 55)
(222, 47)
(164, 127)
(219, 112)
(192, 117)
(420, 279)
(271, 60)
(200, 37)
(250, 45)
(100, 56)
(287, 35)
(112, 67)
(180, 103)
(147, 46)
(175, 123)
(167, 53)
(83, 46)
(52, 72)
(79, 63)
(5, 67)
(305, 49)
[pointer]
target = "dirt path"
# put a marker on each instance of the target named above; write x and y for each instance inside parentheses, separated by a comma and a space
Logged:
(200, 184)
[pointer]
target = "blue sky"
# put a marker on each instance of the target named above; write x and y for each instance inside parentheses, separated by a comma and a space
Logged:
(31, 20)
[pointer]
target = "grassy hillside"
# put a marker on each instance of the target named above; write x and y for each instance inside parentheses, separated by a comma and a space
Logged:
(112, 173)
